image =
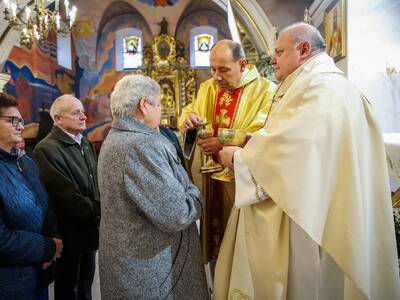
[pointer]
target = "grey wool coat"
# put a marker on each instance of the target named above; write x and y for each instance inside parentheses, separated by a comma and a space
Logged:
(149, 245)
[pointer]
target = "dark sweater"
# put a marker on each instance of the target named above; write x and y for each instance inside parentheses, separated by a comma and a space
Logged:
(26, 227)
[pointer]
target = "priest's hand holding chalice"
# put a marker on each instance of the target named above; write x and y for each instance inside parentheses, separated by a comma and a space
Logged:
(229, 137)
(205, 131)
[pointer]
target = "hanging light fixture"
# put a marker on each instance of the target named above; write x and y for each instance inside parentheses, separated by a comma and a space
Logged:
(35, 24)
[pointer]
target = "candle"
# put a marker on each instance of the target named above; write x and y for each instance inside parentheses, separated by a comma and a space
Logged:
(27, 13)
(13, 9)
(66, 7)
(58, 20)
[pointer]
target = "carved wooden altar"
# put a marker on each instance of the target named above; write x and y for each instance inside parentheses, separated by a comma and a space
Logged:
(166, 63)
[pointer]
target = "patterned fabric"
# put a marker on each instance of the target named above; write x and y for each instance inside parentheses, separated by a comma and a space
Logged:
(24, 222)
(225, 108)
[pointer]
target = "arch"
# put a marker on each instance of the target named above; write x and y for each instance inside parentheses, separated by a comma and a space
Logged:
(115, 10)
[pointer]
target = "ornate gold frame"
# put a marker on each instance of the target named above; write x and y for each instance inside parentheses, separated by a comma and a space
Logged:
(342, 27)
(167, 40)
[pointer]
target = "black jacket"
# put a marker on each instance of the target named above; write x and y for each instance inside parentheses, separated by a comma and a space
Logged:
(69, 172)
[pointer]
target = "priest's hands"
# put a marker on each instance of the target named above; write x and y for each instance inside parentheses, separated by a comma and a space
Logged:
(192, 120)
(226, 155)
(210, 146)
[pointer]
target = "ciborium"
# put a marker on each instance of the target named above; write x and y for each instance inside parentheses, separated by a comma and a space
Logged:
(229, 137)
(204, 131)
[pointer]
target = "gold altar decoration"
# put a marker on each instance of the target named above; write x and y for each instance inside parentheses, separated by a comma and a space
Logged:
(165, 62)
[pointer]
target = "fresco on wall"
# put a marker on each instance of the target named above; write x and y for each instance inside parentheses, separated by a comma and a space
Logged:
(36, 80)
(97, 101)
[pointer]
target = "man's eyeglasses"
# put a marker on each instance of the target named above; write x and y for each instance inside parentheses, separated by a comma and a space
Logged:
(14, 120)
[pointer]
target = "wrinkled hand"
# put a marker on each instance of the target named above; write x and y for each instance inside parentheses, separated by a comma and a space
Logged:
(226, 155)
(59, 247)
(192, 121)
(210, 146)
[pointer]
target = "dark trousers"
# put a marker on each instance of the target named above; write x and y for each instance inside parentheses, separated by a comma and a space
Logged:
(74, 276)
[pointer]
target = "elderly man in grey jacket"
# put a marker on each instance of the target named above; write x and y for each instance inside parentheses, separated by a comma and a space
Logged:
(149, 246)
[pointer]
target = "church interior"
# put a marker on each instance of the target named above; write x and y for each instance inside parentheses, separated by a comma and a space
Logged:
(49, 48)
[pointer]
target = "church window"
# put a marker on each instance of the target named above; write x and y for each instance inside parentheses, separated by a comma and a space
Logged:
(201, 42)
(128, 49)
(132, 52)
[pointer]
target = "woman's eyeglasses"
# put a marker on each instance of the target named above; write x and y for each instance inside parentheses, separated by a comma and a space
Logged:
(14, 120)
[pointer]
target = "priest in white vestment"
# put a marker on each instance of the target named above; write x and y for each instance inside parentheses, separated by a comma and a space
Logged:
(312, 216)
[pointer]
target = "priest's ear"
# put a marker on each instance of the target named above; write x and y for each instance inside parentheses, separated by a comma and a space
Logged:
(304, 49)
(242, 64)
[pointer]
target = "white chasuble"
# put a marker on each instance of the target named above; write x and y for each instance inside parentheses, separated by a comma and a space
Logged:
(326, 232)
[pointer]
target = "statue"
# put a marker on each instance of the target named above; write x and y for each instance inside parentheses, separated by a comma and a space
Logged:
(307, 17)
(163, 26)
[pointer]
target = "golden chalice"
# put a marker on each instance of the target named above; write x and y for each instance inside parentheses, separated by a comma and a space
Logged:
(229, 137)
(208, 164)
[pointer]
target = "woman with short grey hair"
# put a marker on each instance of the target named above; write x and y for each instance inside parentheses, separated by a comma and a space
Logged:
(149, 245)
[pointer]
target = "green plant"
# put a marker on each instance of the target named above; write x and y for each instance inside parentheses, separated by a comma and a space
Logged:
(265, 67)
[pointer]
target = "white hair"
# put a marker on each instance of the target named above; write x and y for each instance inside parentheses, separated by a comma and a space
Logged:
(58, 106)
(129, 90)
(303, 32)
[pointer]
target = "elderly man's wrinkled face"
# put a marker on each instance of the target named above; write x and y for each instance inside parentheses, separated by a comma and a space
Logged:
(225, 71)
(11, 127)
(287, 57)
(72, 119)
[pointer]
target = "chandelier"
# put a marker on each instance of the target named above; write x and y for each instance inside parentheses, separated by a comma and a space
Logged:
(35, 24)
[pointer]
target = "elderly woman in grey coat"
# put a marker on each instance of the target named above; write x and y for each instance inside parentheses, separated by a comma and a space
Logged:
(149, 246)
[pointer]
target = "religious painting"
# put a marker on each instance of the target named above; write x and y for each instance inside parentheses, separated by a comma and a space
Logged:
(132, 52)
(169, 98)
(202, 47)
(131, 44)
(335, 29)
(203, 42)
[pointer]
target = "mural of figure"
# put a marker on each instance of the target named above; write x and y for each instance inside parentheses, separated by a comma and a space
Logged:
(97, 108)
(64, 83)
(23, 92)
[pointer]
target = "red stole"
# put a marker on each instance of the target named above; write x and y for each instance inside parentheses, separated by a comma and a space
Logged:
(226, 105)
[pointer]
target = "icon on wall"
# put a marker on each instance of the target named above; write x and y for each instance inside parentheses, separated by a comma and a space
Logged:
(335, 30)
(204, 42)
(131, 45)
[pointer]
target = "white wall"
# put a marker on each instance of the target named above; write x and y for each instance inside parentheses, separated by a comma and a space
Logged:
(373, 42)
